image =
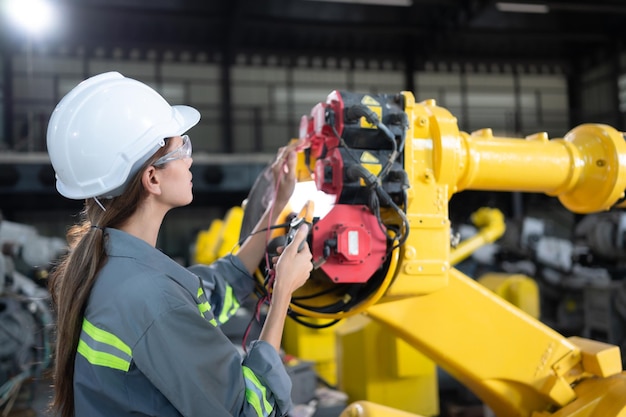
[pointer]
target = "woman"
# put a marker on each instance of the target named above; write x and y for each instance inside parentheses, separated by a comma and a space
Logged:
(138, 334)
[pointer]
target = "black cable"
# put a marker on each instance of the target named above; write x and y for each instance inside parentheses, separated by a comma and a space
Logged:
(357, 111)
(265, 229)
(297, 319)
(404, 122)
(360, 110)
(372, 181)
(317, 294)
(329, 308)
(348, 149)
(342, 305)
(374, 206)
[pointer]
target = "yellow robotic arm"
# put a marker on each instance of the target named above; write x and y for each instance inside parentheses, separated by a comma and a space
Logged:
(383, 250)
(516, 365)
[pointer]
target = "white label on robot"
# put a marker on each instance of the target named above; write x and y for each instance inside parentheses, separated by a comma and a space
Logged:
(353, 242)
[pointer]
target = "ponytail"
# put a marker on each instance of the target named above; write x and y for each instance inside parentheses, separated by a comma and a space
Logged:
(73, 278)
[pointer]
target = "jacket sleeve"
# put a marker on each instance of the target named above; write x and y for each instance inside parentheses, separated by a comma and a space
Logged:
(226, 284)
(201, 372)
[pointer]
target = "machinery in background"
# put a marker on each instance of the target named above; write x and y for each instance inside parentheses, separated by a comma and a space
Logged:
(26, 318)
(580, 272)
(220, 239)
(383, 248)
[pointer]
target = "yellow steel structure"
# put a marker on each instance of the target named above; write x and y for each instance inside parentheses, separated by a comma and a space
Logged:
(520, 290)
(368, 408)
(518, 366)
(220, 239)
(491, 226)
(377, 366)
(207, 242)
(229, 242)
(314, 345)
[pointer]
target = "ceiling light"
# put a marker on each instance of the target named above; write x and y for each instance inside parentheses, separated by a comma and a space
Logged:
(35, 16)
(522, 7)
(403, 3)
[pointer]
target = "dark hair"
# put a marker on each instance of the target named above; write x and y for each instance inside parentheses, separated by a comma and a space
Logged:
(72, 279)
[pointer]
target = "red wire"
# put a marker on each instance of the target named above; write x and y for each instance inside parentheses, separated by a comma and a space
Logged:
(267, 298)
(272, 274)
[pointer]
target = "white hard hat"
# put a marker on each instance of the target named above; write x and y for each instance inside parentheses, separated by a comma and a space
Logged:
(104, 129)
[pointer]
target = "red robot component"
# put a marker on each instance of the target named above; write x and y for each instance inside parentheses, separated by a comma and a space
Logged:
(322, 133)
(354, 140)
(352, 243)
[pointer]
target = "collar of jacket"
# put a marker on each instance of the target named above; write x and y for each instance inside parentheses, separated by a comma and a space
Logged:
(125, 245)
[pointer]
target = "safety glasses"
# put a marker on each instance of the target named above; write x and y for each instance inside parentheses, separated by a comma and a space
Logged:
(182, 152)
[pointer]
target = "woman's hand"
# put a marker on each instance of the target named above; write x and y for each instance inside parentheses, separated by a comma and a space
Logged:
(293, 267)
(284, 170)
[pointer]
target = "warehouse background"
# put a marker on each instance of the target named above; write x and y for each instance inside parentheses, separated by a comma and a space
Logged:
(253, 68)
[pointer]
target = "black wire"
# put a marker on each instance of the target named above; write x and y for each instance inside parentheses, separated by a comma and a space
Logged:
(265, 229)
(245, 272)
(297, 319)
(374, 205)
(346, 147)
(359, 110)
(405, 202)
(371, 181)
(340, 305)
(321, 309)
(376, 186)
(317, 294)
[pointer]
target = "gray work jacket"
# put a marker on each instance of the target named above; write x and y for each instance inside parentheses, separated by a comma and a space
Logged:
(151, 344)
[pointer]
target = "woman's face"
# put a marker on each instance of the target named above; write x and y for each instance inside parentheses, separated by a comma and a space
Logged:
(175, 174)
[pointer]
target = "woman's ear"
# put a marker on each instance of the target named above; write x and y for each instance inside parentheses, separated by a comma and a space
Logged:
(150, 180)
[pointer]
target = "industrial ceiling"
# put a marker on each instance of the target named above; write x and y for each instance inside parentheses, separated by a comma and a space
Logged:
(410, 32)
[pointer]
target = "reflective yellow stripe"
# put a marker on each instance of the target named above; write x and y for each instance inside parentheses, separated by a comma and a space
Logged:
(254, 401)
(103, 336)
(230, 305)
(204, 307)
(259, 403)
(102, 348)
(102, 358)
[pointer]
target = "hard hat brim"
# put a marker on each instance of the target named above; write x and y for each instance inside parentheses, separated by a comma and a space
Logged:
(188, 116)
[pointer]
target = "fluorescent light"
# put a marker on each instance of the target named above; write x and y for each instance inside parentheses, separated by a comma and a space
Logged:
(403, 3)
(522, 7)
(35, 16)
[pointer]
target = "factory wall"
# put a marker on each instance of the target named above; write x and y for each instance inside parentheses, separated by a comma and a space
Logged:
(268, 98)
